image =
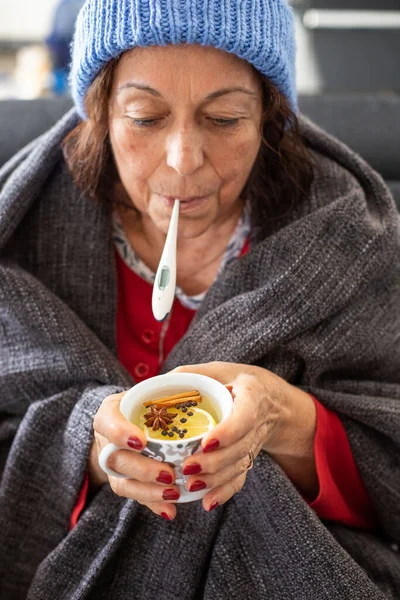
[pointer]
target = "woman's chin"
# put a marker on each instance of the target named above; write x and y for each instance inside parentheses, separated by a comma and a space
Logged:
(186, 230)
(192, 223)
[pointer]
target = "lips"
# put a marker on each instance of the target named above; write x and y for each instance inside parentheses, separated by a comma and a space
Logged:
(186, 199)
(187, 203)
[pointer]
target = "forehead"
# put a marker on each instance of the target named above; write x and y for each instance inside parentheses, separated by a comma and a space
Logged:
(184, 69)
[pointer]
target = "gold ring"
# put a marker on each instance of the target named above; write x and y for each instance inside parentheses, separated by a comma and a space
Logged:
(251, 458)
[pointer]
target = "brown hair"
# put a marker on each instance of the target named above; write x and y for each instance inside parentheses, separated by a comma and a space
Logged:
(281, 176)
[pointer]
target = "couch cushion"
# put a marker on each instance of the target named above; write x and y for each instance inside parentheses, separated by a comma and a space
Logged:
(394, 187)
(21, 121)
(369, 124)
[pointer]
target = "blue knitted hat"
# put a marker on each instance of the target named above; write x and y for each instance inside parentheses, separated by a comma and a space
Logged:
(259, 31)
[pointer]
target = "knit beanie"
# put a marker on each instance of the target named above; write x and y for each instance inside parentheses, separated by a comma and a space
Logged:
(258, 31)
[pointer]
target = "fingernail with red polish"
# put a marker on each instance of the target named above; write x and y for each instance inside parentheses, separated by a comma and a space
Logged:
(166, 517)
(170, 495)
(211, 445)
(164, 477)
(192, 469)
(135, 443)
(197, 486)
(214, 505)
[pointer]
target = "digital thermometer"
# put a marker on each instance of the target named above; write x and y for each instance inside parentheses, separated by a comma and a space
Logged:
(165, 281)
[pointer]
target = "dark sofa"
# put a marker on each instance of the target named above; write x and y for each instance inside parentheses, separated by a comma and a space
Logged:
(369, 124)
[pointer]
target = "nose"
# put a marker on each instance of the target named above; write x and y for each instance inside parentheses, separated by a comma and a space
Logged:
(185, 152)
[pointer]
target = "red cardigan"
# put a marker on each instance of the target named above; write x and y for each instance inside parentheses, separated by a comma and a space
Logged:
(342, 496)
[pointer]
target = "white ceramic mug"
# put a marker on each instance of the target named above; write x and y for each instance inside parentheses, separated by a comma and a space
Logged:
(171, 451)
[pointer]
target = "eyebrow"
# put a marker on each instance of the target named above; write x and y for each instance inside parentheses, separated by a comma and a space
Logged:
(212, 96)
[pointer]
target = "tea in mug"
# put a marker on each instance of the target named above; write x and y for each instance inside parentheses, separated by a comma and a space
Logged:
(179, 416)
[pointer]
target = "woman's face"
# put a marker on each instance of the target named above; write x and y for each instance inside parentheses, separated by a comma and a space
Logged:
(185, 123)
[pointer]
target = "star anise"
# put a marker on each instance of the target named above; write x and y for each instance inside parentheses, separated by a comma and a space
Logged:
(159, 418)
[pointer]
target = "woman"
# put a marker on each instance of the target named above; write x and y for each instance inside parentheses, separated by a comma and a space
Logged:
(288, 293)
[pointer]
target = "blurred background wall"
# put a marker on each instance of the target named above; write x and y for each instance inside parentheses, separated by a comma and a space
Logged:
(34, 46)
(343, 46)
(22, 20)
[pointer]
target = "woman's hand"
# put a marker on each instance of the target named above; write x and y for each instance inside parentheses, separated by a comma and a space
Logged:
(269, 414)
(152, 481)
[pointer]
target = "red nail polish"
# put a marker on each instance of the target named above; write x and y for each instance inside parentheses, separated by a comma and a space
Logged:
(211, 445)
(214, 505)
(192, 469)
(166, 517)
(165, 477)
(197, 486)
(170, 495)
(135, 443)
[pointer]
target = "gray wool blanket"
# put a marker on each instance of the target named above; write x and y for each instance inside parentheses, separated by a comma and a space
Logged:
(317, 301)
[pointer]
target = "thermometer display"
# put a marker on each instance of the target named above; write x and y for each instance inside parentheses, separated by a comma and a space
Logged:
(164, 278)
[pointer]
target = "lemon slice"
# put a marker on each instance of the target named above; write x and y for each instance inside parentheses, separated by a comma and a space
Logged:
(199, 423)
(187, 424)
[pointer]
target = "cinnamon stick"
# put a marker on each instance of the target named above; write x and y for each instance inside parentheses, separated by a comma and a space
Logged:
(185, 395)
(172, 403)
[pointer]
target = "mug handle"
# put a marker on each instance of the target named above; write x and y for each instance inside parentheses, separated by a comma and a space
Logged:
(103, 458)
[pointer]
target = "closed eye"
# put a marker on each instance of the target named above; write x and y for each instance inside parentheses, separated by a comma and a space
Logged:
(222, 123)
(145, 122)
(225, 122)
